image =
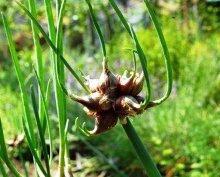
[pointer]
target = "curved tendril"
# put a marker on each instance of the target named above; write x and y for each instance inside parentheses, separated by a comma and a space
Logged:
(86, 130)
(82, 129)
(165, 52)
(151, 104)
(143, 61)
(97, 27)
(135, 60)
(134, 51)
(82, 74)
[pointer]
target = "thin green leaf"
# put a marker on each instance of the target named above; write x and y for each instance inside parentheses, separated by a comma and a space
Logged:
(59, 35)
(2, 169)
(21, 80)
(4, 154)
(58, 6)
(97, 27)
(38, 52)
(121, 16)
(46, 101)
(60, 75)
(32, 149)
(48, 91)
(59, 43)
(46, 115)
(40, 130)
(38, 49)
(50, 43)
(59, 70)
(165, 52)
(144, 66)
(134, 60)
(51, 27)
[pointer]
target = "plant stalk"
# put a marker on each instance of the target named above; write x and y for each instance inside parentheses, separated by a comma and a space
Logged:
(141, 151)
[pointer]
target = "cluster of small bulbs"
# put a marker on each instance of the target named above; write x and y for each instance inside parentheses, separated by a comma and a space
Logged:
(113, 98)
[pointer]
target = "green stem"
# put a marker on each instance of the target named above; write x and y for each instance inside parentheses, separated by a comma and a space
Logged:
(141, 151)
(59, 71)
(38, 55)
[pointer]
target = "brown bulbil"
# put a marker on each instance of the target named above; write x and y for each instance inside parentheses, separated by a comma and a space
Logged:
(130, 85)
(104, 121)
(112, 98)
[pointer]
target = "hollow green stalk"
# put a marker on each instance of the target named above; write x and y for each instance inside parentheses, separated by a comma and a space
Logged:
(61, 99)
(38, 53)
(97, 27)
(46, 114)
(141, 151)
(40, 130)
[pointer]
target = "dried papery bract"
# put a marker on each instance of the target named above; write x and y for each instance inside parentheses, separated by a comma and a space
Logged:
(104, 121)
(131, 85)
(125, 82)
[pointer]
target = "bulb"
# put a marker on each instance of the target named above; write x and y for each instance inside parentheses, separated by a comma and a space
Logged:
(138, 84)
(91, 101)
(126, 83)
(104, 122)
(127, 106)
(107, 80)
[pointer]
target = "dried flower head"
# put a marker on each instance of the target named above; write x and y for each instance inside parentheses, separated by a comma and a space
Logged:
(112, 98)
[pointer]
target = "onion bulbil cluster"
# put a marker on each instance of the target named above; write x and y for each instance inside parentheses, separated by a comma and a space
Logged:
(112, 98)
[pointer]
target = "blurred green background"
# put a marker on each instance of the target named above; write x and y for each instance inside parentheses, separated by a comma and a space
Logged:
(182, 134)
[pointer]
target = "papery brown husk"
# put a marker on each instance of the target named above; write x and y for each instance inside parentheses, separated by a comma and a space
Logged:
(127, 106)
(90, 101)
(104, 121)
(107, 79)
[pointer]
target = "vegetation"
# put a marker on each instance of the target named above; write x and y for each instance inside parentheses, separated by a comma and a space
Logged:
(181, 134)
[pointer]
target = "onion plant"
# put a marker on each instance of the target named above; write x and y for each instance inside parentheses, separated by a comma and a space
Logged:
(110, 98)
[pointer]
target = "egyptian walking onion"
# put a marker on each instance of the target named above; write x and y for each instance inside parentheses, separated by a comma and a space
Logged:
(112, 98)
